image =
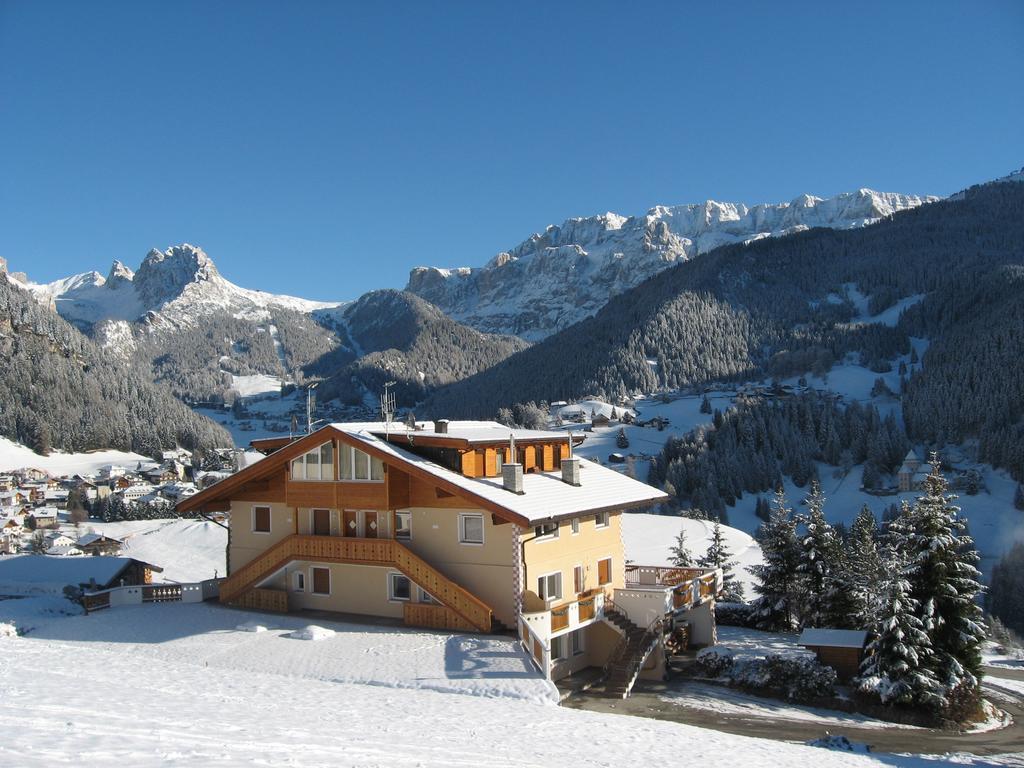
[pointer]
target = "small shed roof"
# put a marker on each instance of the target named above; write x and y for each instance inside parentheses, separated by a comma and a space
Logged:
(833, 638)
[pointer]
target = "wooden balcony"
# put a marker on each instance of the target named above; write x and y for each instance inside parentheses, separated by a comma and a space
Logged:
(381, 552)
(683, 588)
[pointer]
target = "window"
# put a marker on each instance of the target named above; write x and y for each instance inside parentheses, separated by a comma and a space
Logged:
(321, 581)
(354, 464)
(575, 526)
(579, 580)
(576, 642)
(558, 647)
(604, 571)
(426, 597)
(546, 530)
(261, 519)
(471, 529)
(403, 525)
(549, 586)
(601, 520)
(300, 581)
(399, 587)
(318, 464)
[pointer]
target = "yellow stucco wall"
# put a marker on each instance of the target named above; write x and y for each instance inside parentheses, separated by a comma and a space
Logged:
(245, 543)
(562, 554)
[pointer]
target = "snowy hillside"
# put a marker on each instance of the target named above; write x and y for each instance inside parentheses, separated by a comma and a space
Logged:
(648, 537)
(188, 685)
(16, 456)
(554, 279)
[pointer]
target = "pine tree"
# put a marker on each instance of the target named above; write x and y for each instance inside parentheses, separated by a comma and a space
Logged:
(679, 553)
(896, 667)
(944, 579)
(816, 547)
(705, 405)
(621, 440)
(1018, 497)
(1005, 598)
(777, 576)
(719, 556)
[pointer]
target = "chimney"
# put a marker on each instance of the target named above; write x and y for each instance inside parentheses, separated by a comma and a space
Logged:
(512, 478)
(441, 426)
(571, 470)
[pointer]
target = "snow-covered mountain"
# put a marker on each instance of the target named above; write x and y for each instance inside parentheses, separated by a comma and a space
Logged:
(554, 279)
(170, 287)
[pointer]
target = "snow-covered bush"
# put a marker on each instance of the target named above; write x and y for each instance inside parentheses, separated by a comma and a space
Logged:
(8, 630)
(715, 660)
(802, 677)
(839, 744)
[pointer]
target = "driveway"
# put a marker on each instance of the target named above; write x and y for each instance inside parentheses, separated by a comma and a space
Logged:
(771, 719)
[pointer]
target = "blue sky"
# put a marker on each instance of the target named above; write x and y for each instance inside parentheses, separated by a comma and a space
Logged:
(324, 149)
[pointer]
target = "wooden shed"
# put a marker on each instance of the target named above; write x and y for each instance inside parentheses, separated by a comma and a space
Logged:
(841, 649)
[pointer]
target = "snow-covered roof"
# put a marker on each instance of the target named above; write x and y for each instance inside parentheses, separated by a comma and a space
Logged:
(836, 638)
(43, 569)
(544, 496)
(89, 538)
(470, 431)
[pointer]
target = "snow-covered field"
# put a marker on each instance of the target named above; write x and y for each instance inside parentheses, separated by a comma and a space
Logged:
(256, 384)
(180, 685)
(647, 539)
(16, 456)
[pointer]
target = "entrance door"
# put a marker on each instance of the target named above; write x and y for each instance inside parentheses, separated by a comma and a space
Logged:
(370, 525)
(321, 522)
(350, 523)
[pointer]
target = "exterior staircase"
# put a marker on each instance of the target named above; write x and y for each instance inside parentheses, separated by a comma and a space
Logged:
(459, 609)
(623, 667)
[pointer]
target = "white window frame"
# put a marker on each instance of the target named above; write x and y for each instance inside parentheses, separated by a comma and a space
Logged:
(583, 577)
(544, 578)
(574, 525)
(371, 461)
(550, 535)
(559, 642)
(463, 516)
(408, 513)
(392, 597)
(312, 581)
(577, 646)
(606, 516)
(298, 581)
(319, 451)
(270, 519)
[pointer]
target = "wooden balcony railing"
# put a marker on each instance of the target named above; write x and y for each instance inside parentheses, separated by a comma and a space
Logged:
(586, 609)
(335, 549)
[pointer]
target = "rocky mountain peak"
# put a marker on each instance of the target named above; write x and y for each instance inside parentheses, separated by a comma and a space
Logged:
(164, 275)
(119, 274)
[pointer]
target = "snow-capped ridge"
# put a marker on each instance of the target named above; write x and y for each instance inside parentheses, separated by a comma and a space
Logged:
(559, 276)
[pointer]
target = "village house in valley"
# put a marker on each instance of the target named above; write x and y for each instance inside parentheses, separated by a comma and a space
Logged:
(463, 525)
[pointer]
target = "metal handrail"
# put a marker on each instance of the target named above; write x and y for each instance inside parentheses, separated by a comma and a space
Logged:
(654, 629)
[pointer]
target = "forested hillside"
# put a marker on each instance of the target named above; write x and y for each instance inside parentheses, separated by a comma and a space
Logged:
(59, 390)
(782, 306)
(404, 339)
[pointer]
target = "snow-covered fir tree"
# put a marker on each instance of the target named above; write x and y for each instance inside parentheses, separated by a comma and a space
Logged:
(719, 556)
(817, 554)
(777, 576)
(679, 553)
(896, 667)
(944, 579)
(865, 569)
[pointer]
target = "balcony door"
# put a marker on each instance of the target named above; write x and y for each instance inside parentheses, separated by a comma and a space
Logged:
(350, 522)
(370, 525)
(321, 522)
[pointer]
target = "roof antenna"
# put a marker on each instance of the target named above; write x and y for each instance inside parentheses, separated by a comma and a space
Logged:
(387, 407)
(310, 407)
